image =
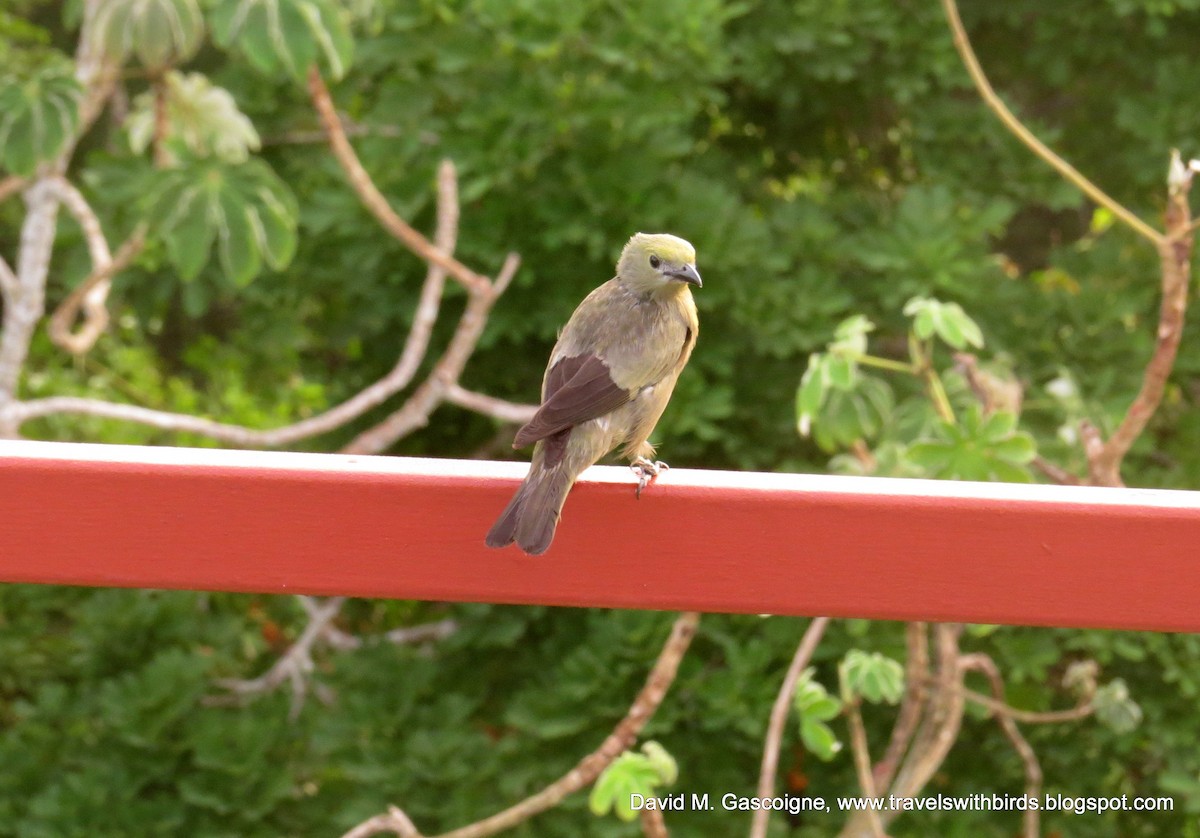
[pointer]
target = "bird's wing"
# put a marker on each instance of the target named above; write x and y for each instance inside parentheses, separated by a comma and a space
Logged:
(577, 389)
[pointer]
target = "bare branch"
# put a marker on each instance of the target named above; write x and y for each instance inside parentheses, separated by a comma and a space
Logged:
(300, 137)
(295, 665)
(373, 199)
(1082, 710)
(1175, 258)
(162, 121)
(778, 719)
(590, 767)
(1033, 770)
(1055, 472)
(25, 302)
(91, 295)
(8, 279)
(393, 820)
(916, 670)
(413, 414)
(963, 44)
(653, 824)
(10, 186)
(429, 395)
(87, 219)
(489, 405)
(943, 717)
(862, 764)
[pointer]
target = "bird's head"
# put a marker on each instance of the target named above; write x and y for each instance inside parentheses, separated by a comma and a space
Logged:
(656, 262)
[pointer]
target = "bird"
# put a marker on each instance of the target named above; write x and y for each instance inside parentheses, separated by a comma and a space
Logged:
(609, 378)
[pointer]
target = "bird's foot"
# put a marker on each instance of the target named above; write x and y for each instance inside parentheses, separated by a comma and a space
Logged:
(647, 472)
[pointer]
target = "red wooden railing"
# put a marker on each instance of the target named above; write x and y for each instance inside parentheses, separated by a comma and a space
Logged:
(706, 540)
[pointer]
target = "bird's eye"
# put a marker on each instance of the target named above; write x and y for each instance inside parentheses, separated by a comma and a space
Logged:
(654, 262)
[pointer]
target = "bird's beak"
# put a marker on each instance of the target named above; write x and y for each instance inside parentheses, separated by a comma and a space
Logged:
(688, 274)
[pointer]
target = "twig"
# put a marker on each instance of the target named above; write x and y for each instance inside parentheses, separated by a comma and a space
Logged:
(489, 405)
(25, 303)
(416, 411)
(778, 719)
(1055, 472)
(8, 280)
(162, 122)
(590, 767)
(963, 44)
(301, 137)
(426, 398)
(916, 670)
(393, 820)
(9, 186)
(373, 199)
(862, 763)
(295, 665)
(1175, 256)
(943, 717)
(1082, 710)
(91, 295)
(1033, 770)
(653, 824)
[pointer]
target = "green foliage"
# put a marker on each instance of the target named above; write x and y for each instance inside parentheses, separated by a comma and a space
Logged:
(945, 320)
(285, 35)
(159, 33)
(871, 676)
(38, 115)
(202, 116)
(246, 210)
(1115, 707)
(814, 707)
(830, 161)
(629, 774)
(977, 448)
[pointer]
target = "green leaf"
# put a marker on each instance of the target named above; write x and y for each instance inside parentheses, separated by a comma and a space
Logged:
(872, 676)
(38, 116)
(1115, 708)
(841, 372)
(820, 739)
(204, 117)
(632, 773)
(286, 35)
(814, 706)
(245, 209)
(159, 33)
(811, 393)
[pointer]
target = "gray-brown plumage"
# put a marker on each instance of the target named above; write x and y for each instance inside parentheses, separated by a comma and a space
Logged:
(610, 377)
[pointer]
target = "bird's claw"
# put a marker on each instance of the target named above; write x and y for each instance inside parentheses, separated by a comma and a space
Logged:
(647, 472)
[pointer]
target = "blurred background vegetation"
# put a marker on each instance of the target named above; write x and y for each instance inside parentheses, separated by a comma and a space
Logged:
(827, 159)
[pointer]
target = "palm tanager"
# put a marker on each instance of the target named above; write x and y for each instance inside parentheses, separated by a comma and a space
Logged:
(609, 379)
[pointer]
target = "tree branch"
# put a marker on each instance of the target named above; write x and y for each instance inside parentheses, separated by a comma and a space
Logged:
(430, 394)
(373, 199)
(8, 280)
(1033, 717)
(916, 670)
(653, 824)
(91, 295)
(489, 405)
(1175, 257)
(587, 770)
(862, 764)
(9, 186)
(779, 714)
(1033, 770)
(442, 381)
(295, 665)
(963, 44)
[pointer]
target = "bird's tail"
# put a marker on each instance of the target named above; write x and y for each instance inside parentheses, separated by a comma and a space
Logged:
(532, 515)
